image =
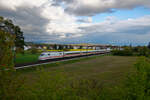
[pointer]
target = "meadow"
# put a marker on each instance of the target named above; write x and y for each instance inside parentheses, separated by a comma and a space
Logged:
(80, 79)
(26, 58)
(91, 67)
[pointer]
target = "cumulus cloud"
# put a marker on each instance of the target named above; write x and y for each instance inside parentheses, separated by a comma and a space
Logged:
(117, 31)
(85, 20)
(61, 21)
(92, 7)
(130, 26)
(14, 4)
(40, 19)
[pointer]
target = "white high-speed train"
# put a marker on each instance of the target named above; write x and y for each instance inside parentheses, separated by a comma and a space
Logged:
(53, 55)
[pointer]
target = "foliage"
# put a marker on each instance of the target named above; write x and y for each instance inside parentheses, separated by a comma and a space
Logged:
(20, 50)
(19, 38)
(136, 86)
(148, 45)
(34, 50)
(124, 52)
(60, 47)
(6, 47)
(55, 47)
(9, 85)
(66, 49)
(133, 51)
(50, 86)
(143, 51)
(56, 87)
(81, 47)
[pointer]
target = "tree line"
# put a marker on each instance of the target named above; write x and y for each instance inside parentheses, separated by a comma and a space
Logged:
(133, 51)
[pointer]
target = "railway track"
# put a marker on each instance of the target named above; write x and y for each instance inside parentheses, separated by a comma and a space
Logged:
(27, 65)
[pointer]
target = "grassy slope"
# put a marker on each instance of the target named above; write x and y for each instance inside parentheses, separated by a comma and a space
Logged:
(107, 69)
(81, 79)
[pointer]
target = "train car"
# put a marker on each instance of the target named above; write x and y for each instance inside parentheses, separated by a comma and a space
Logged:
(53, 55)
(50, 55)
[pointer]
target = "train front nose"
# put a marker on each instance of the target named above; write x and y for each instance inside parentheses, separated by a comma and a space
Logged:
(41, 57)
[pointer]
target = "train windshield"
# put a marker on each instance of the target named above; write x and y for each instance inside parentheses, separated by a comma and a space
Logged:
(42, 55)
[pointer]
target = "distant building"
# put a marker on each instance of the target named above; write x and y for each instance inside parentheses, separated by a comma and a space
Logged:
(72, 46)
(27, 47)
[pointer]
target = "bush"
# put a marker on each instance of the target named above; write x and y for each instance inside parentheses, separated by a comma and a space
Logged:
(56, 87)
(132, 51)
(136, 86)
(66, 50)
(144, 51)
(9, 85)
(125, 52)
(34, 50)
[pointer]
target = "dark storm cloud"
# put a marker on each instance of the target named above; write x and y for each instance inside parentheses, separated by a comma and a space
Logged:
(27, 17)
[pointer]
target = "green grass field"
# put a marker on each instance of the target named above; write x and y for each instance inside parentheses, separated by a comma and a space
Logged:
(90, 67)
(79, 79)
(109, 70)
(26, 58)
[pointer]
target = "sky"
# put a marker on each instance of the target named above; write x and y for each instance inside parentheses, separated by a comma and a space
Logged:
(116, 22)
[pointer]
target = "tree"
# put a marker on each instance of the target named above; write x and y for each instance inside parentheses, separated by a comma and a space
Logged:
(81, 47)
(6, 49)
(34, 50)
(11, 28)
(71, 47)
(9, 82)
(148, 45)
(60, 47)
(19, 40)
(6, 63)
(55, 47)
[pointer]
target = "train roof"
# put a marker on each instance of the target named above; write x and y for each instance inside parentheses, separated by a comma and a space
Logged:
(71, 51)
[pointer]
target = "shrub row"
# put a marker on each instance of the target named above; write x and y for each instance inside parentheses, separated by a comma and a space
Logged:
(132, 51)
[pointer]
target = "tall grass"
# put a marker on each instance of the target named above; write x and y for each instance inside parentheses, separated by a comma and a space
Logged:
(137, 84)
(49, 86)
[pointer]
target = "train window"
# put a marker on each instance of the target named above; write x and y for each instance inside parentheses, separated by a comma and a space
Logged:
(72, 53)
